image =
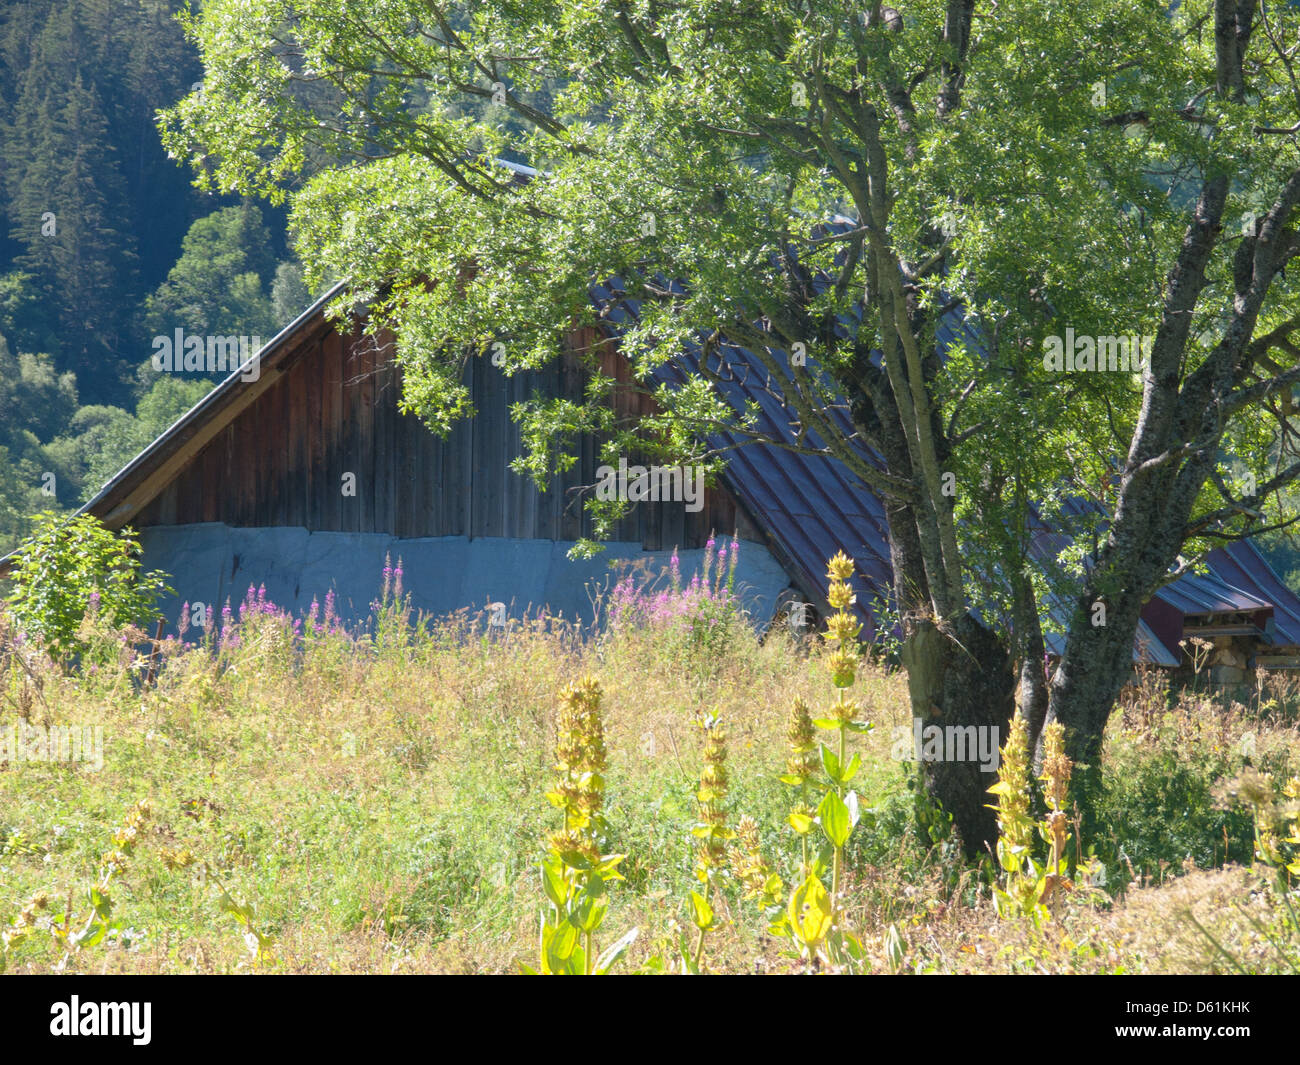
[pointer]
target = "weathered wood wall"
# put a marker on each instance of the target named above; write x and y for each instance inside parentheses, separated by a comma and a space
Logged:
(332, 410)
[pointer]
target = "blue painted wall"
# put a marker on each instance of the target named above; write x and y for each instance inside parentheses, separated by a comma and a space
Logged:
(213, 562)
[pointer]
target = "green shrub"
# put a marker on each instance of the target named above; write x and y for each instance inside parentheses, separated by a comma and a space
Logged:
(68, 569)
(1160, 804)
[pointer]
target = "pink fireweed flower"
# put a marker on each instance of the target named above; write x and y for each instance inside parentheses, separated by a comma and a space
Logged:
(703, 606)
(227, 640)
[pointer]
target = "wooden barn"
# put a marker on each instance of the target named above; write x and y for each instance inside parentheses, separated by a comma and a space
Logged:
(305, 476)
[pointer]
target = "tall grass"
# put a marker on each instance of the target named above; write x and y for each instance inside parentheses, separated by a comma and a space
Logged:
(329, 799)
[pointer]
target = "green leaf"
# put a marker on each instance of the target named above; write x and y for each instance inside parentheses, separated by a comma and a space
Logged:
(576, 860)
(854, 947)
(558, 944)
(554, 884)
(91, 935)
(703, 912)
(609, 862)
(809, 912)
(801, 823)
(840, 774)
(831, 763)
(100, 903)
(590, 912)
(895, 946)
(834, 818)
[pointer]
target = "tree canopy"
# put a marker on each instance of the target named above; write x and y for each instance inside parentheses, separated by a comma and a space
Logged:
(1043, 169)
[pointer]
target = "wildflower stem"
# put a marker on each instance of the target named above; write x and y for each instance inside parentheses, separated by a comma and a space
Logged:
(839, 850)
(699, 941)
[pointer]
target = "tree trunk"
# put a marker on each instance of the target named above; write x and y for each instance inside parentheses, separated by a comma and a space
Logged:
(1031, 651)
(1098, 658)
(960, 679)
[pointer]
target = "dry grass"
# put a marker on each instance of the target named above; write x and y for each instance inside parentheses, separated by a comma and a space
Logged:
(383, 810)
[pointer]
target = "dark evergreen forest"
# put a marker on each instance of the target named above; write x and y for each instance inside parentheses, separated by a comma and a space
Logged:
(106, 245)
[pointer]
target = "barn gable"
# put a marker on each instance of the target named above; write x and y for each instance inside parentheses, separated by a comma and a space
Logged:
(251, 486)
(305, 475)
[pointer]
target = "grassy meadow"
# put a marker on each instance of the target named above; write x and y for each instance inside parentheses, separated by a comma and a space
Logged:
(318, 801)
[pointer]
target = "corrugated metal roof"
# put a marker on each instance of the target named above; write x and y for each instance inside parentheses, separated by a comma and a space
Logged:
(1209, 594)
(814, 505)
(1147, 647)
(1244, 567)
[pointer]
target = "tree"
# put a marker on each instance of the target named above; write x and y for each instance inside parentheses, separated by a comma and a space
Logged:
(96, 210)
(35, 403)
(71, 567)
(26, 318)
(220, 283)
(33, 397)
(101, 440)
(290, 295)
(16, 504)
(66, 209)
(1036, 170)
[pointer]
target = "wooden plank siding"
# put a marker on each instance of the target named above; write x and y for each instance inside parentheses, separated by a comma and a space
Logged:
(331, 408)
